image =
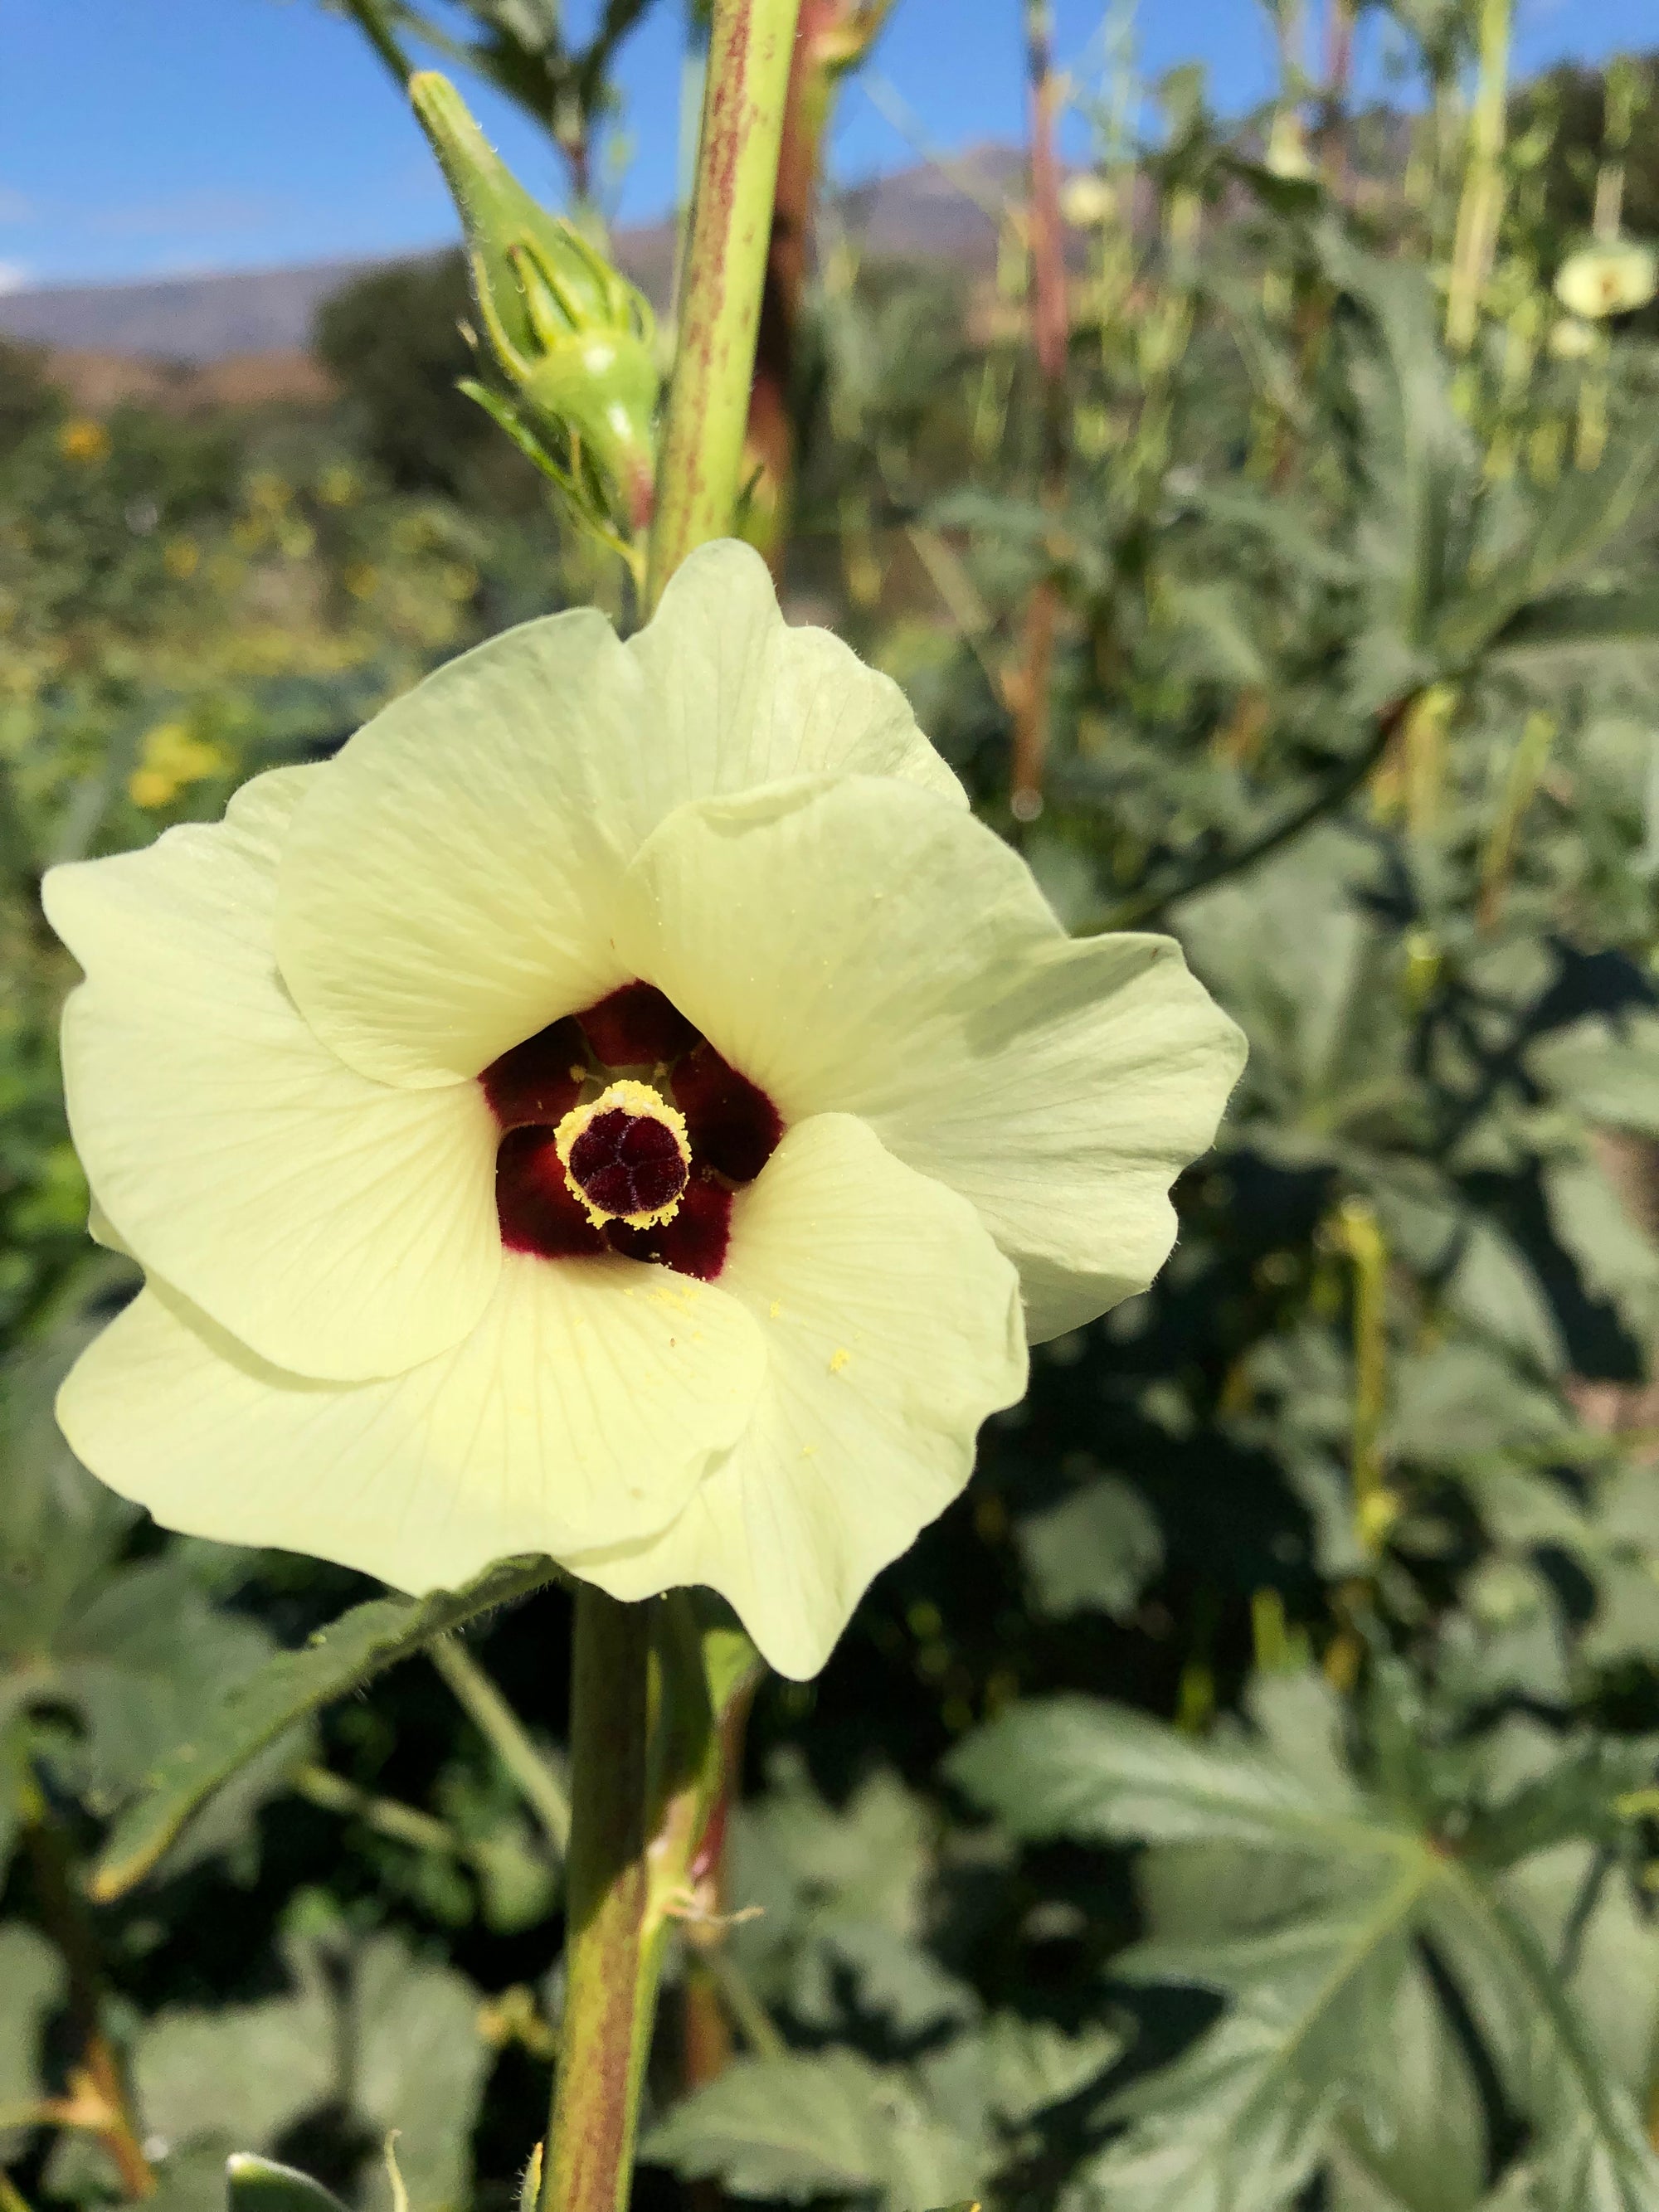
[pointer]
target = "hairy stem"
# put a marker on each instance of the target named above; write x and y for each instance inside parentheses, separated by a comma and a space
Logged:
(371, 19)
(1050, 332)
(771, 423)
(610, 1951)
(1481, 210)
(702, 454)
(63, 1910)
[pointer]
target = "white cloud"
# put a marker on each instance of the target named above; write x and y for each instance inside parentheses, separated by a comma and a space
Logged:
(14, 277)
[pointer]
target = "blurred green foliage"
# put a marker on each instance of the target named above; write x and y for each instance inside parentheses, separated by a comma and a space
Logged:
(1246, 1795)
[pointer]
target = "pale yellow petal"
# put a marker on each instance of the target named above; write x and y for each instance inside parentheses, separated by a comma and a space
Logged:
(864, 947)
(447, 889)
(892, 1325)
(738, 698)
(583, 1409)
(339, 1227)
(444, 889)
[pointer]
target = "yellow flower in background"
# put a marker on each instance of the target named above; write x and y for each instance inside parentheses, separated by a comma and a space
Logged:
(1087, 200)
(171, 758)
(84, 439)
(1572, 340)
(624, 1107)
(1613, 277)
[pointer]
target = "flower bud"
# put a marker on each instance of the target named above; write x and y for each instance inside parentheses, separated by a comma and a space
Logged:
(571, 333)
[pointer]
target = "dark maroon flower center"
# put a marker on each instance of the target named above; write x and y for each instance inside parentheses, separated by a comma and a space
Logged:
(625, 1164)
(628, 1163)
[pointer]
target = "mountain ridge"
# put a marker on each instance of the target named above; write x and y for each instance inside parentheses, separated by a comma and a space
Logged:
(922, 213)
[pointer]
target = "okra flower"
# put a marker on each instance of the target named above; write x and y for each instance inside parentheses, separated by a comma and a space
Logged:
(1610, 276)
(624, 1107)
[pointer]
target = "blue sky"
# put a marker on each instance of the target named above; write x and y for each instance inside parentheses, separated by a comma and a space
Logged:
(143, 138)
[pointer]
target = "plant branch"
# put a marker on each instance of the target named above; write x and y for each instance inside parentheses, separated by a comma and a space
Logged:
(702, 454)
(12, 2198)
(370, 18)
(1028, 688)
(756, 2025)
(610, 1955)
(1136, 913)
(63, 1910)
(496, 1719)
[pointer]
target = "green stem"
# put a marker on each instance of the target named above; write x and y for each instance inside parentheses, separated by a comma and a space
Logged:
(1481, 208)
(63, 1907)
(370, 18)
(758, 2029)
(12, 2198)
(387, 1816)
(1148, 905)
(610, 1951)
(744, 95)
(496, 1721)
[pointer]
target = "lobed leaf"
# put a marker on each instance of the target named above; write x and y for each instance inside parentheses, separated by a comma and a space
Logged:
(1074, 1767)
(360, 1644)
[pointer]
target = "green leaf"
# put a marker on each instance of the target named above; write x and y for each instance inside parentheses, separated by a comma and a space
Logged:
(830, 2124)
(31, 1982)
(419, 2068)
(136, 1651)
(1241, 2121)
(1494, 1290)
(1095, 1550)
(1417, 459)
(1010, 2069)
(1610, 1075)
(1543, 543)
(1591, 2154)
(1465, 1401)
(260, 2185)
(1576, 1795)
(359, 1646)
(1071, 1766)
(841, 1898)
(1573, 622)
(239, 2074)
(1416, 2130)
(1593, 1220)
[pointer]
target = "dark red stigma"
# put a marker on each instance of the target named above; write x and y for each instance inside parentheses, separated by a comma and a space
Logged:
(628, 1163)
(625, 1163)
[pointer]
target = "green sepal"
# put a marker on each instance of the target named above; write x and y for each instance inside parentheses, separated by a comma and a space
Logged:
(574, 336)
(260, 2185)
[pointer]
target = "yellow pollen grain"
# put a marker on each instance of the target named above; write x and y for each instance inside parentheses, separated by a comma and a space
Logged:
(838, 1358)
(776, 1310)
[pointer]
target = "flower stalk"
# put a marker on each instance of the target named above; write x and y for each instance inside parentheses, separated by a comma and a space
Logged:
(657, 1703)
(831, 38)
(633, 1836)
(744, 95)
(1481, 208)
(1050, 332)
(97, 2083)
(611, 1985)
